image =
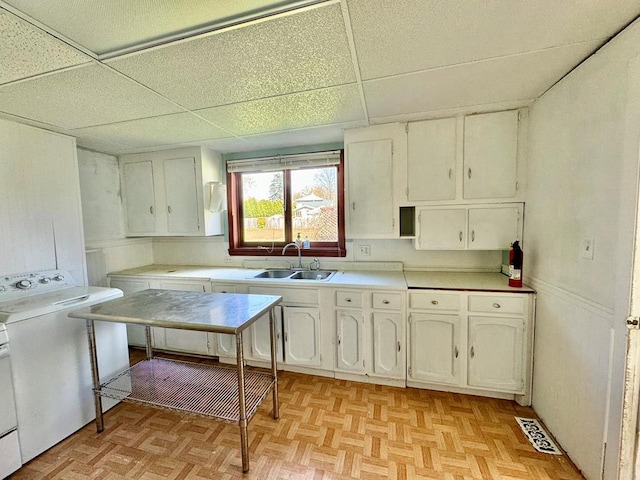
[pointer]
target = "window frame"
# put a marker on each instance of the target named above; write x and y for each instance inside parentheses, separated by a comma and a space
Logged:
(318, 249)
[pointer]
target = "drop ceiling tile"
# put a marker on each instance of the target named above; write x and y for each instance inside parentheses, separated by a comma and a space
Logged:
(26, 51)
(297, 52)
(519, 77)
(411, 35)
(298, 110)
(155, 131)
(106, 26)
(81, 97)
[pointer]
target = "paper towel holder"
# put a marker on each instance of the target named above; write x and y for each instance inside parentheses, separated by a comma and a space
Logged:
(217, 197)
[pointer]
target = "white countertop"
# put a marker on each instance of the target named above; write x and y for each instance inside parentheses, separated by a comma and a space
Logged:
(384, 279)
(496, 282)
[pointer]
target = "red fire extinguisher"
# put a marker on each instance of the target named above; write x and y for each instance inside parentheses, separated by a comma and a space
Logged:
(515, 265)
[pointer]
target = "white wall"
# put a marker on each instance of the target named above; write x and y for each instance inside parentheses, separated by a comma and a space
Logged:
(582, 181)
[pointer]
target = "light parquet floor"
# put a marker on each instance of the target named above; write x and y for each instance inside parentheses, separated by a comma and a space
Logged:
(328, 429)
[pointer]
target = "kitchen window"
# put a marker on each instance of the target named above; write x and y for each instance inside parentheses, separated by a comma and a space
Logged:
(277, 200)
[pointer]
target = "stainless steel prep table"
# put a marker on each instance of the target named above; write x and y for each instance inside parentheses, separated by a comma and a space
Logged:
(196, 388)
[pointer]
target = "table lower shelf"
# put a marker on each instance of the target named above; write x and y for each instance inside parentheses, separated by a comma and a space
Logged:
(195, 388)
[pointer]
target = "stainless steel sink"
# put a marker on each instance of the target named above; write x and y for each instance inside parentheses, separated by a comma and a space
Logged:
(296, 274)
(274, 274)
(312, 275)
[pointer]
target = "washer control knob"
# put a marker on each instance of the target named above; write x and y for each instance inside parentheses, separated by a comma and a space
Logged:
(58, 278)
(45, 280)
(2, 288)
(23, 284)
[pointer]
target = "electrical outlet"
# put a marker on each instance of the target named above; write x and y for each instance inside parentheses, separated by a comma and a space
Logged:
(227, 259)
(587, 247)
(364, 250)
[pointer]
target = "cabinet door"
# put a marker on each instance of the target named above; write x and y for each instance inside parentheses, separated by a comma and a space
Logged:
(226, 345)
(349, 329)
(388, 359)
(494, 228)
(370, 181)
(442, 229)
(182, 198)
(435, 348)
(139, 197)
(301, 335)
(136, 335)
(490, 155)
(261, 338)
(496, 349)
(185, 340)
(431, 160)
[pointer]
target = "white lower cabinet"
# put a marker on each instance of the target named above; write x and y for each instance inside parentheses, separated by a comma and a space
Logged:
(370, 335)
(472, 342)
(135, 333)
(301, 330)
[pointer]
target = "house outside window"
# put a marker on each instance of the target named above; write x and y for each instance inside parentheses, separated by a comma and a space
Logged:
(277, 200)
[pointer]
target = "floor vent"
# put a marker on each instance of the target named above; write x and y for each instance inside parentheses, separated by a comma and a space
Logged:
(537, 436)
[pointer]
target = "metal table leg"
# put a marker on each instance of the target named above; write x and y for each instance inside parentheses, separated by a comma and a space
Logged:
(97, 399)
(147, 337)
(274, 365)
(242, 422)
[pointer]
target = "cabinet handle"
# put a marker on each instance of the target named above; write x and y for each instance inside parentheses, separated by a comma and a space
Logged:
(450, 173)
(386, 302)
(472, 353)
(455, 351)
(353, 205)
(434, 302)
(398, 345)
(151, 209)
(339, 341)
(496, 305)
(286, 337)
(169, 208)
(460, 236)
(469, 172)
(473, 235)
(348, 300)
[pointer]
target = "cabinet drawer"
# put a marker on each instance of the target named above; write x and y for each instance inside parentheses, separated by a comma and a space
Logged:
(434, 301)
(387, 301)
(497, 303)
(308, 296)
(349, 299)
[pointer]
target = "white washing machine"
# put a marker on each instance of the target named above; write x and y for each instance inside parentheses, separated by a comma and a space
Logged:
(50, 364)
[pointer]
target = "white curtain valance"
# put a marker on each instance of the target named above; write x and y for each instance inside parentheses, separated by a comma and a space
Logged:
(284, 162)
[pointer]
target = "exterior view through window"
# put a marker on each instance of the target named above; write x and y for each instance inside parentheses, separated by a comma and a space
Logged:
(277, 206)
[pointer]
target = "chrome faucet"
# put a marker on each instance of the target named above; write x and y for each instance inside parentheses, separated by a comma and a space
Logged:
(293, 244)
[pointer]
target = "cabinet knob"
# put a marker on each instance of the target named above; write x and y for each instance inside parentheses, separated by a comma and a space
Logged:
(353, 206)
(496, 305)
(348, 300)
(386, 302)
(460, 236)
(473, 235)
(450, 173)
(469, 172)
(398, 345)
(472, 353)
(169, 208)
(434, 302)
(455, 351)
(151, 209)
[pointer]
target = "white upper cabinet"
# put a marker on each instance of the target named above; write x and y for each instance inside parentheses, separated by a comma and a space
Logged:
(431, 160)
(370, 189)
(490, 155)
(463, 159)
(168, 192)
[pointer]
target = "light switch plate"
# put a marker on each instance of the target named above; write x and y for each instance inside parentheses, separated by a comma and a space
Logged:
(587, 247)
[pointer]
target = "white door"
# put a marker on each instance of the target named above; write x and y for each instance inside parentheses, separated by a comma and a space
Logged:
(490, 155)
(495, 356)
(261, 338)
(431, 160)
(370, 192)
(136, 335)
(493, 228)
(349, 329)
(182, 196)
(301, 327)
(140, 197)
(388, 351)
(442, 229)
(185, 340)
(435, 348)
